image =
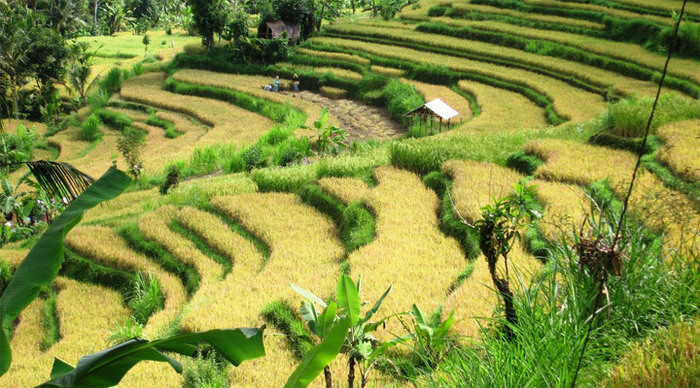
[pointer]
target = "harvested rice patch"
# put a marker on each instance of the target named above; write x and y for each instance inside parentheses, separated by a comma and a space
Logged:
(345, 189)
(476, 298)
(568, 100)
(408, 246)
(155, 226)
(447, 95)
(230, 123)
(104, 246)
(565, 208)
(475, 184)
(334, 56)
(252, 85)
(387, 71)
(86, 314)
(680, 151)
(516, 113)
(305, 250)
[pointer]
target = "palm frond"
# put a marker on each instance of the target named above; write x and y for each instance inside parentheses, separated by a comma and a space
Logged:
(60, 179)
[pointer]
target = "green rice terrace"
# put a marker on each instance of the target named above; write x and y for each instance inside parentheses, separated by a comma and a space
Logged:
(284, 167)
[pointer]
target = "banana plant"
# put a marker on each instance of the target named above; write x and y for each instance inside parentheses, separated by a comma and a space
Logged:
(358, 343)
(430, 338)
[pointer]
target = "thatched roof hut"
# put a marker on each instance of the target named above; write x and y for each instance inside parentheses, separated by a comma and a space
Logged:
(276, 30)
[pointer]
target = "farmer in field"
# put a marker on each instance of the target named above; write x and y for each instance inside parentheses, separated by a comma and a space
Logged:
(295, 83)
(276, 84)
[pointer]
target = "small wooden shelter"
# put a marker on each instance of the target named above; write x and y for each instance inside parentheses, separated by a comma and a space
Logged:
(435, 109)
(276, 30)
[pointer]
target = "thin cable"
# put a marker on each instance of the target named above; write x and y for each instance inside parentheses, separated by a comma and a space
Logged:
(629, 192)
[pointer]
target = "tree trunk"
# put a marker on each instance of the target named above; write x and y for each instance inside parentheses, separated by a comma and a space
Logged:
(320, 19)
(351, 372)
(353, 7)
(96, 27)
(503, 287)
(15, 99)
(327, 376)
(374, 8)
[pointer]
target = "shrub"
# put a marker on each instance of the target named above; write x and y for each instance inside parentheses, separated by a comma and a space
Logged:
(17, 147)
(112, 82)
(524, 164)
(90, 128)
(358, 227)
(628, 118)
(146, 298)
(205, 371)
(401, 98)
(171, 180)
(124, 331)
(254, 158)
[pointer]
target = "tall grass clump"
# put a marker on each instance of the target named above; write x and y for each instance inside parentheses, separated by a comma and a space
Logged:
(146, 298)
(90, 128)
(555, 310)
(206, 370)
(628, 118)
(400, 98)
(112, 82)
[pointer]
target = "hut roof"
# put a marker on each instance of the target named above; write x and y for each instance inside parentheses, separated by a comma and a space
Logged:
(436, 107)
(279, 27)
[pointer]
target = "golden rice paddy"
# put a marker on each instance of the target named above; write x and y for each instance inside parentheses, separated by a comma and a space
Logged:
(680, 151)
(345, 189)
(408, 246)
(447, 95)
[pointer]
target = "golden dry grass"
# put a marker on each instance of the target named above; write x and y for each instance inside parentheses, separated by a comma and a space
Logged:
(345, 189)
(475, 184)
(477, 297)
(584, 72)
(408, 246)
(104, 246)
(252, 85)
(521, 112)
(680, 151)
(86, 314)
(657, 206)
(335, 56)
(447, 95)
(622, 50)
(332, 92)
(565, 208)
(155, 226)
(575, 103)
(305, 251)
(387, 71)
(465, 6)
(230, 123)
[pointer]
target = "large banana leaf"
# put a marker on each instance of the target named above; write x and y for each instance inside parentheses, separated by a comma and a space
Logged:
(317, 358)
(348, 298)
(108, 367)
(41, 265)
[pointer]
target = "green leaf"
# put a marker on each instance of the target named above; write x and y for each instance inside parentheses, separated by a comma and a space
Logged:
(308, 312)
(348, 298)
(308, 295)
(374, 308)
(108, 367)
(41, 265)
(442, 329)
(320, 356)
(420, 320)
(326, 319)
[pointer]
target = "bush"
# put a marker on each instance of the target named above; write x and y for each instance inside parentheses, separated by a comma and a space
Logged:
(524, 164)
(205, 371)
(358, 227)
(112, 82)
(628, 118)
(400, 98)
(17, 147)
(124, 331)
(90, 128)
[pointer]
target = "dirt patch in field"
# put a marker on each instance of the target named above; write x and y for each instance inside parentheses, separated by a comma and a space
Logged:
(362, 122)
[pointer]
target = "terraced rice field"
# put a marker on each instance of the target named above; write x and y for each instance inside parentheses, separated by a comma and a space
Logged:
(223, 248)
